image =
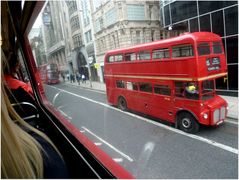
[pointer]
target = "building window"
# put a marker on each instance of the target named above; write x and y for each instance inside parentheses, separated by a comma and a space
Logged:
(183, 10)
(205, 23)
(231, 20)
(77, 41)
(233, 77)
(135, 12)
(99, 24)
(167, 15)
(217, 23)
(75, 24)
(138, 37)
(194, 25)
(88, 36)
(232, 49)
(110, 17)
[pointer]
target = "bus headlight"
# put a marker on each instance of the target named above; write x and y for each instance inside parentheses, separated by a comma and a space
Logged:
(205, 115)
(227, 108)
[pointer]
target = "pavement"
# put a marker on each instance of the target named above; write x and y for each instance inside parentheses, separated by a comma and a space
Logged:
(232, 101)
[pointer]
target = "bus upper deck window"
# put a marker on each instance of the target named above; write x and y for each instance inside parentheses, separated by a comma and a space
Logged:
(144, 55)
(111, 59)
(203, 49)
(217, 48)
(161, 53)
(130, 57)
(183, 50)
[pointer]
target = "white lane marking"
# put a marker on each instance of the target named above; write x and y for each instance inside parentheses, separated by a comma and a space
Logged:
(108, 144)
(56, 95)
(82, 87)
(232, 122)
(208, 141)
(118, 160)
(98, 143)
(82, 131)
(62, 112)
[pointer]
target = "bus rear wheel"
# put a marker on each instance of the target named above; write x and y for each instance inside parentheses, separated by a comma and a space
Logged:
(187, 123)
(122, 104)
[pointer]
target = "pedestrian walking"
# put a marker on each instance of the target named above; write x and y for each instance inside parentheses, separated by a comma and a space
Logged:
(78, 78)
(83, 78)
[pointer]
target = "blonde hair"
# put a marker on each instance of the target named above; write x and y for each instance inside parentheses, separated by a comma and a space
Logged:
(21, 153)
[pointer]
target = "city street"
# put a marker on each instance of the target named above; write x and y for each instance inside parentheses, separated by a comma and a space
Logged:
(144, 146)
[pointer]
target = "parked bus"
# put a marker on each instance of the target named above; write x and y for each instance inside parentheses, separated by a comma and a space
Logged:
(49, 73)
(171, 79)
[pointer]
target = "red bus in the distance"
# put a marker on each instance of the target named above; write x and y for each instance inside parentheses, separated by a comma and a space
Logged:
(171, 79)
(49, 73)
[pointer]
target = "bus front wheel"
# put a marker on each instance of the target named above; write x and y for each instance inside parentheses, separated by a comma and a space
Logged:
(122, 104)
(187, 123)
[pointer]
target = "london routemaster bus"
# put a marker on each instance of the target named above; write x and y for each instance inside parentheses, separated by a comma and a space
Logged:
(49, 73)
(171, 79)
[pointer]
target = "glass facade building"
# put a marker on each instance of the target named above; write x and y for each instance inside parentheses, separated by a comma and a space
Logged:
(219, 17)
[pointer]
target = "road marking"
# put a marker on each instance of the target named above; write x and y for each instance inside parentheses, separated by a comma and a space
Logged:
(56, 95)
(98, 143)
(232, 122)
(108, 144)
(208, 141)
(62, 112)
(118, 160)
(82, 131)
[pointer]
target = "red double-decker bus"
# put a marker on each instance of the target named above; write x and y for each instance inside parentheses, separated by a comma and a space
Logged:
(171, 79)
(49, 73)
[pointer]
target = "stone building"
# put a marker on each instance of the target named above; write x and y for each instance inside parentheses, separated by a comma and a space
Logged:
(121, 23)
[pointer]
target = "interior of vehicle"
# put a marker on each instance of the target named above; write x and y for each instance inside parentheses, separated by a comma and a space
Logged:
(82, 157)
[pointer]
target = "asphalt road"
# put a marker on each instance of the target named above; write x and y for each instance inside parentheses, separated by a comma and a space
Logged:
(145, 147)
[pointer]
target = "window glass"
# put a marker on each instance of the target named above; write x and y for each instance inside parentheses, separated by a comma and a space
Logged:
(166, 15)
(119, 57)
(217, 23)
(135, 12)
(162, 89)
(144, 55)
(131, 86)
(194, 25)
(146, 87)
(231, 20)
(233, 76)
(182, 10)
(182, 51)
(110, 17)
(217, 48)
(130, 57)
(161, 53)
(207, 89)
(179, 89)
(111, 59)
(205, 23)
(232, 49)
(120, 84)
(203, 49)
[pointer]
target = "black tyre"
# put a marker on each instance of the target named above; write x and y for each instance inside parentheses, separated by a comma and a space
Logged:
(122, 104)
(188, 123)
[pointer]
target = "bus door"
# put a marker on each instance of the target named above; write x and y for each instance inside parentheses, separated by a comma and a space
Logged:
(162, 103)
